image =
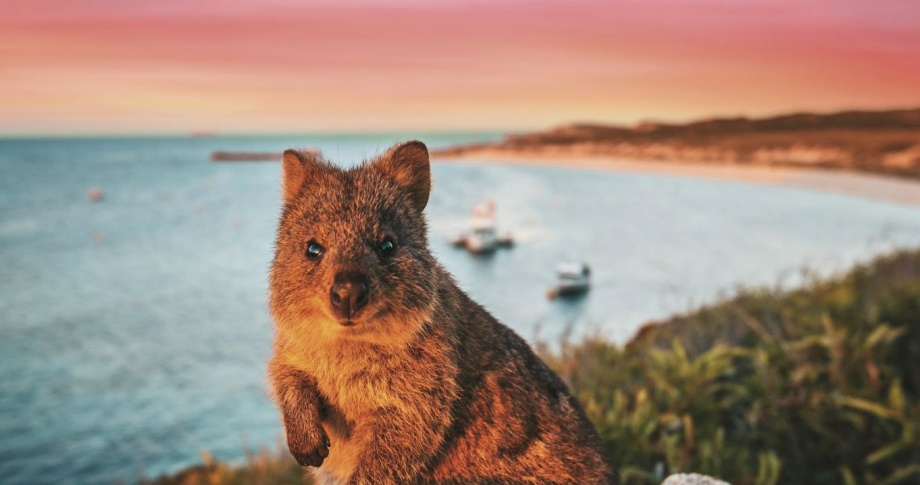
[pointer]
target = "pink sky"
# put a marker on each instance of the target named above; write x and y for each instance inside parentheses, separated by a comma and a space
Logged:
(101, 66)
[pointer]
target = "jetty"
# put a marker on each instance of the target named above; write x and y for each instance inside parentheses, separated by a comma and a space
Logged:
(228, 156)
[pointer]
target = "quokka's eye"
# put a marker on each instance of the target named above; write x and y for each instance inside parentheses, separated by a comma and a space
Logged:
(387, 248)
(314, 250)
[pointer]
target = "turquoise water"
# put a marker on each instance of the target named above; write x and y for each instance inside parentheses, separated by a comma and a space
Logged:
(134, 330)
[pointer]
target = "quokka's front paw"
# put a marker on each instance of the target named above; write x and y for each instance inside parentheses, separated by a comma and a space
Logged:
(309, 447)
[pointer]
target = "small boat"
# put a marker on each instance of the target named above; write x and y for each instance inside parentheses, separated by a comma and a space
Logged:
(482, 238)
(481, 241)
(572, 279)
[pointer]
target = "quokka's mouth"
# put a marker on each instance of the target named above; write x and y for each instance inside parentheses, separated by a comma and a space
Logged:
(358, 319)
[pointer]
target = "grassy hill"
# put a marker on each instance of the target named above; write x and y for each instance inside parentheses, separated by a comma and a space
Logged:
(886, 142)
(818, 385)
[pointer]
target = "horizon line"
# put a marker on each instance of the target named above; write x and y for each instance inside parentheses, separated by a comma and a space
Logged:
(216, 133)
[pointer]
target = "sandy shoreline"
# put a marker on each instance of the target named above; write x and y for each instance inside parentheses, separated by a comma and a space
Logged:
(878, 187)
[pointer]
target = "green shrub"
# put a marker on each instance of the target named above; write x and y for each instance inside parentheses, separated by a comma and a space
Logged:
(812, 386)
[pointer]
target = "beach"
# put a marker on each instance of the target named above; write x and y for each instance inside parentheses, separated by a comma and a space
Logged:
(879, 187)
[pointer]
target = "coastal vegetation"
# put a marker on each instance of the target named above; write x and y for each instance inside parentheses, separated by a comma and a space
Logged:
(816, 385)
(886, 142)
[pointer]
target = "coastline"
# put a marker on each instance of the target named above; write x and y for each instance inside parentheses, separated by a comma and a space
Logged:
(858, 184)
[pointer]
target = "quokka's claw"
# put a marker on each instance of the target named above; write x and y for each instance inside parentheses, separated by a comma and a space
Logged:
(309, 454)
(313, 458)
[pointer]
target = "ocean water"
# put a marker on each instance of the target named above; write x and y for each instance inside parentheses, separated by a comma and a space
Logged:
(134, 331)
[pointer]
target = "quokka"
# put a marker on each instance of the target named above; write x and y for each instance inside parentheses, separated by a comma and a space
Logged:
(383, 369)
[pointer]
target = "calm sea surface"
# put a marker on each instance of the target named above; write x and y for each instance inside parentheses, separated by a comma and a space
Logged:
(134, 331)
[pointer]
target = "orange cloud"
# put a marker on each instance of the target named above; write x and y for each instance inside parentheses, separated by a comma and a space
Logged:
(101, 65)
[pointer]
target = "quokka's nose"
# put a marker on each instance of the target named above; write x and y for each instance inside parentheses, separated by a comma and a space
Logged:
(350, 293)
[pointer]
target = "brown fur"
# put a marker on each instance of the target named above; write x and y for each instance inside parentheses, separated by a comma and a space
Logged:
(421, 385)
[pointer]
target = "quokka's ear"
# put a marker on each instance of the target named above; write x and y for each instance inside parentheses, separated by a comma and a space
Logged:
(296, 167)
(408, 165)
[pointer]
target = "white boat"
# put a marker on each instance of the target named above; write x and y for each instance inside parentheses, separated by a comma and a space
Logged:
(481, 241)
(482, 237)
(571, 279)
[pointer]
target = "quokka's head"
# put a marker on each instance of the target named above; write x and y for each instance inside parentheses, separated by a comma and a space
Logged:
(352, 258)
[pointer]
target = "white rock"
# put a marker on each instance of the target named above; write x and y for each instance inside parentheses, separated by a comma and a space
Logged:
(692, 479)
